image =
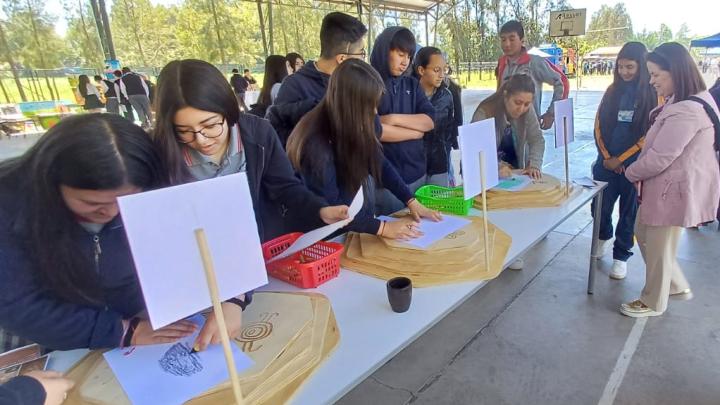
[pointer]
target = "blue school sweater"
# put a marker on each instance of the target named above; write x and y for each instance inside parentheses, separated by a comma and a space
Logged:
(403, 95)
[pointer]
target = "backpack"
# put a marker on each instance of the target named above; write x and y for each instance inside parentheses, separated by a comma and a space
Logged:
(713, 117)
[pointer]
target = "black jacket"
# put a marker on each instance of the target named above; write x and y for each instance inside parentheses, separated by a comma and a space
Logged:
(440, 140)
(22, 390)
(238, 83)
(300, 93)
(278, 195)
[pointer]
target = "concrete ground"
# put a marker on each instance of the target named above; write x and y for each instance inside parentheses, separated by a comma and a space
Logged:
(535, 337)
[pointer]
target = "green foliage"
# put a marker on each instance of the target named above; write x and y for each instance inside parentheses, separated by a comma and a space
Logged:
(30, 33)
(82, 37)
(610, 26)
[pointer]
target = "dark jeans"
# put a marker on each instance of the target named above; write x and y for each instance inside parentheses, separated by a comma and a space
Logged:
(618, 188)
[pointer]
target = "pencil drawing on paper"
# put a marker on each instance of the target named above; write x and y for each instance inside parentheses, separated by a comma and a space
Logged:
(256, 331)
(180, 362)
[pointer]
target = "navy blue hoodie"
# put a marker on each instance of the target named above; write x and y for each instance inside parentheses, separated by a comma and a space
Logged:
(403, 95)
(299, 94)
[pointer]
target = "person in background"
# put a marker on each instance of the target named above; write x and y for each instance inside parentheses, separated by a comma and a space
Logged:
(677, 175)
(201, 134)
(67, 279)
(518, 135)
(134, 88)
(275, 71)
(36, 388)
(240, 86)
(516, 60)
(405, 112)
(101, 87)
(111, 91)
(622, 120)
(252, 83)
(90, 94)
(336, 150)
(295, 62)
(125, 106)
(430, 69)
(458, 114)
(151, 88)
(341, 38)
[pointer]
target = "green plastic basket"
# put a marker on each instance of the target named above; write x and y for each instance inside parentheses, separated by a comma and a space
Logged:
(444, 199)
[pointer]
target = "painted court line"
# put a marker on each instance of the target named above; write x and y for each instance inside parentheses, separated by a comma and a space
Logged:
(623, 362)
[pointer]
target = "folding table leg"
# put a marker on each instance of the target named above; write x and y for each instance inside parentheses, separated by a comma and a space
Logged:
(595, 240)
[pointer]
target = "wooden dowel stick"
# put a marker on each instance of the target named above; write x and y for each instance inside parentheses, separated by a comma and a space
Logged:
(567, 166)
(217, 309)
(484, 208)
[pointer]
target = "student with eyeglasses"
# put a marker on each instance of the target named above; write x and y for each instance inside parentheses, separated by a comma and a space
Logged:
(341, 38)
(430, 68)
(201, 134)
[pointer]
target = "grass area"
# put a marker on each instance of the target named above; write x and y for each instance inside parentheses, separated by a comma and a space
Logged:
(35, 90)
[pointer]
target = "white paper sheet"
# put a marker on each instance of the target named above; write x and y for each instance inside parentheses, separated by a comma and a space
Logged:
(564, 113)
(169, 373)
(310, 238)
(160, 226)
(473, 138)
(516, 182)
(433, 231)
(585, 182)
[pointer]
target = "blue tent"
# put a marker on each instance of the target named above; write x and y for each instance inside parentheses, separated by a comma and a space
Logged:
(709, 42)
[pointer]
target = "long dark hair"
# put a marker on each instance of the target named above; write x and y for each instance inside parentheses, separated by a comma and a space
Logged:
(275, 72)
(91, 152)
(292, 58)
(345, 118)
(495, 104)
(83, 81)
(645, 96)
(188, 83)
(675, 58)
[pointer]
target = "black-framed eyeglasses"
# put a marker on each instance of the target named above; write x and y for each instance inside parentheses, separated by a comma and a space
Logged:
(362, 54)
(209, 131)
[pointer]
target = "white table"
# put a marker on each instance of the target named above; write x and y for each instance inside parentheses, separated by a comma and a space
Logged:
(371, 334)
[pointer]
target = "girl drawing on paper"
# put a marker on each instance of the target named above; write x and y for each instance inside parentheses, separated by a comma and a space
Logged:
(519, 138)
(67, 278)
(336, 150)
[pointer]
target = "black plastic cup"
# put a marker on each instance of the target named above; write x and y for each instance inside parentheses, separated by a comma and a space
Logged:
(399, 290)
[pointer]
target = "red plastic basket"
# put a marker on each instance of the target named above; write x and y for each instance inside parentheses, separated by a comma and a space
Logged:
(320, 262)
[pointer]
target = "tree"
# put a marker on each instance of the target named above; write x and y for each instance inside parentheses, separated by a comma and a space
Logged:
(610, 26)
(82, 36)
(30, 34)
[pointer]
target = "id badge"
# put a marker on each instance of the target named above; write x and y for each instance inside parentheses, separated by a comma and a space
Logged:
(625, 115)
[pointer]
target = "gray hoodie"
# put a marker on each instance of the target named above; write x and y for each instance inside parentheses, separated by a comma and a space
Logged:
(529, 142)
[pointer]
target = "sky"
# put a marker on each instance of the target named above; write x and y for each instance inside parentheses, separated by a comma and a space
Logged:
(648, 14)
(700, 16)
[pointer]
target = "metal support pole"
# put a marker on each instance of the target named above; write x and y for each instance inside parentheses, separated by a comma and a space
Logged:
(597, 204)
(108, 33)
(427, 30)
(270, 23)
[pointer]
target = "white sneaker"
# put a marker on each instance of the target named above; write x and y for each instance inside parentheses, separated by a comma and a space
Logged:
(602, 248)
(684, 295)
(518, 264)
(619, 270)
